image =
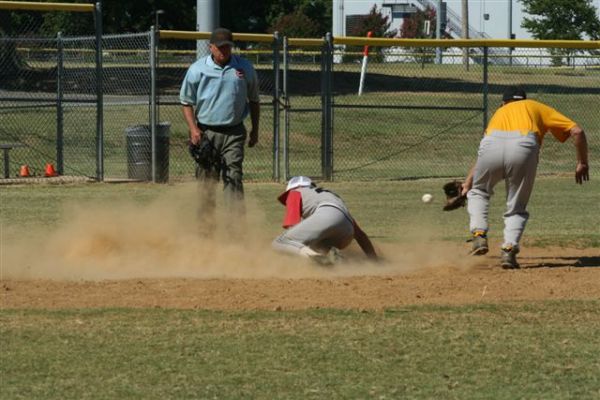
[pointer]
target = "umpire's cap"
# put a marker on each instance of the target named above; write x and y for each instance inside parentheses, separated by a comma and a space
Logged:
(513, 93)
(221, 37)
(293, 183)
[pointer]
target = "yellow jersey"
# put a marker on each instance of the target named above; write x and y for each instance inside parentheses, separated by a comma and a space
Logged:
(530, 116)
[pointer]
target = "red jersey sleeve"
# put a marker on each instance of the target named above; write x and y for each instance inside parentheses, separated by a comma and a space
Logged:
(293, 209)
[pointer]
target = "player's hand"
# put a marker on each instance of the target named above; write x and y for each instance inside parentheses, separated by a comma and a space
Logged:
(465, 187)
(253, 138)
(582, 173)
(195, 136)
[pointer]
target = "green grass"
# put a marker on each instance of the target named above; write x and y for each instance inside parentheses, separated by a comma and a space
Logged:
(544, 350)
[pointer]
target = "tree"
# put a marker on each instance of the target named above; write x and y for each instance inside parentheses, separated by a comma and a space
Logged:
(245, 16)
(296, 24)
(9, 59)
(120, 16)
(70, 24)
(414, 28)
(561, 20)
(319, 12)
(374, 22)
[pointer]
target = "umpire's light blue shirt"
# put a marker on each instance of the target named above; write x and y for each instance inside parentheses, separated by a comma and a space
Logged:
(220, 94)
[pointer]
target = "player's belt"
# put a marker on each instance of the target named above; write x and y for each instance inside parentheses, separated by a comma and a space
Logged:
(513, 134)
(509, 134)
(219, 128)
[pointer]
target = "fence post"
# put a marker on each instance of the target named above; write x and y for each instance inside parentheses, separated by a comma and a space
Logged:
(329, 174)
(99, 96)
(276, 109)
(327, 109)
(153, 99)
(286, 111)
(438, 30)
(59, 105)
(485, 87)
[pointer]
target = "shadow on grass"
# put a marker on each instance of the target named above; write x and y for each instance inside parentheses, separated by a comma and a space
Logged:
(309, 83)
(128, 80)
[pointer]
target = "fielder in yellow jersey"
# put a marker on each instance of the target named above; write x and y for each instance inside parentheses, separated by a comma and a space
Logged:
(509, 150)
(530, 116)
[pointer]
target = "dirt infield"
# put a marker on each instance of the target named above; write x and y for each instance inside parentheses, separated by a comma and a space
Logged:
(547, 274)
(121, 253)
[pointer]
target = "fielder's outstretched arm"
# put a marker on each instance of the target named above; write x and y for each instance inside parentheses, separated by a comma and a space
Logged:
(582, 172)
(364, 242)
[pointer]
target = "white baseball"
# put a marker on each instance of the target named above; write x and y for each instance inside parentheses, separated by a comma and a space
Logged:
(427, 198)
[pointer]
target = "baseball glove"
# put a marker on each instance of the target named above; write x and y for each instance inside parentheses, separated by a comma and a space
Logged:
(206, 156)
(454, 198)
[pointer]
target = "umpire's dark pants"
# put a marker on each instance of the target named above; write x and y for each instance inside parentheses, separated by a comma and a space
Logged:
(229, 142)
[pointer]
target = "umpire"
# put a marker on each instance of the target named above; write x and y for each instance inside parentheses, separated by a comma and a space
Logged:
(510, 151)
(217, 93)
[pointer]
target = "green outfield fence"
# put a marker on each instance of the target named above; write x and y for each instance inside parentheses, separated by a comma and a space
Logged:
(71, 99)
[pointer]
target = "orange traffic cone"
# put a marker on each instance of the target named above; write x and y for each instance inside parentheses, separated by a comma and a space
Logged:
(24, 171)
(50, 171)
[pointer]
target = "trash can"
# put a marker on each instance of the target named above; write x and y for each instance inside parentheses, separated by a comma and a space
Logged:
(139, 152)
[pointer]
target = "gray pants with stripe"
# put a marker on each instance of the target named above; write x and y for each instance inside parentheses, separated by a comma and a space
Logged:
(327, 227)
(513, 157)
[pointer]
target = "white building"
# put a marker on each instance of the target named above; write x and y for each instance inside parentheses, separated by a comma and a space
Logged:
(487, 18)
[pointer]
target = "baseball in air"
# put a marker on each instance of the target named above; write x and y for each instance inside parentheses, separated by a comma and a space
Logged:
(427, 198)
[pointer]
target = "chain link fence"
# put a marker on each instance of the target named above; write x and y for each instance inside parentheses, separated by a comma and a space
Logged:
(48, 97)
(414, 118)
(422, 116)
(127, 80)
(304, 65)
(421, 111)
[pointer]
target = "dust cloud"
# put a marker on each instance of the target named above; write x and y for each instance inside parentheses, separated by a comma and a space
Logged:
(176, 235)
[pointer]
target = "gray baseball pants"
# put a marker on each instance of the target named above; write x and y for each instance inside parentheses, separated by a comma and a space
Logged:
(327, 227)
(513, 157)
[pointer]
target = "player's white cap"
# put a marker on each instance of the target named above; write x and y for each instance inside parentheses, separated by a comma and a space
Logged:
(294, 183)
(298, 181)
